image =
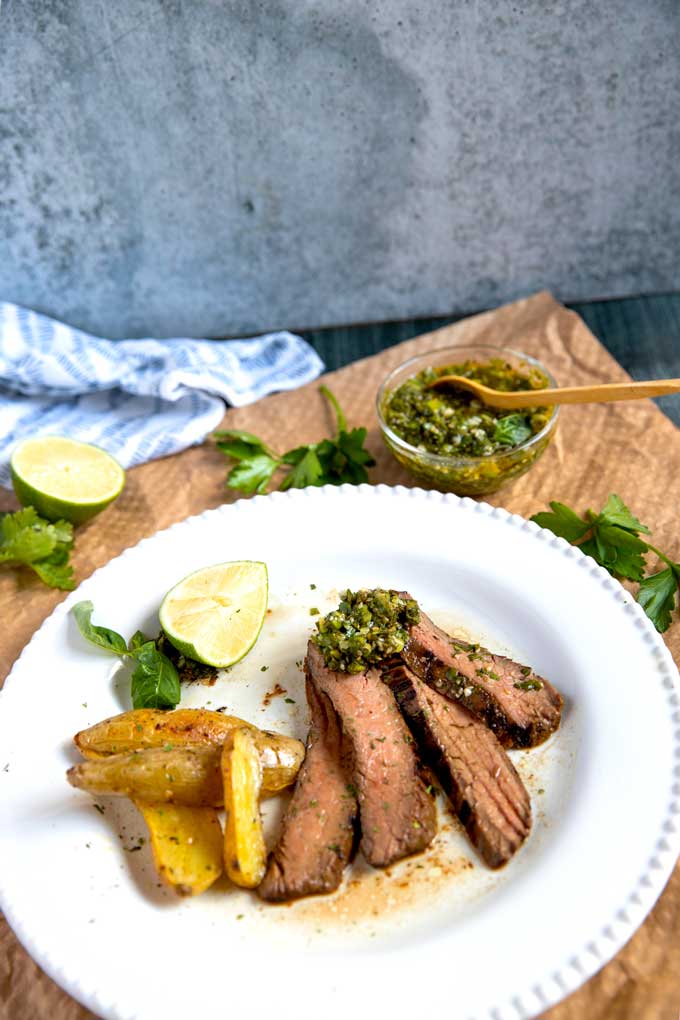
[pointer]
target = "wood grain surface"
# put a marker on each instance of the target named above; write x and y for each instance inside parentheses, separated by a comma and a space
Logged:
(631, 449)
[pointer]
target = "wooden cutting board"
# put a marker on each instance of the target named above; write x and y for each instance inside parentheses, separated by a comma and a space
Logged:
(631, 449)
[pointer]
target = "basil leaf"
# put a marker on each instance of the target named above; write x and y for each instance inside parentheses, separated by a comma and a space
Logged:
(137, 640)
(100, 636)
(154, 681)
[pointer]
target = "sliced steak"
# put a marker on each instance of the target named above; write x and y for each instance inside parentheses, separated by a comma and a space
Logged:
(398, 816)
(521, 708)
(318, 828)
(479, 779)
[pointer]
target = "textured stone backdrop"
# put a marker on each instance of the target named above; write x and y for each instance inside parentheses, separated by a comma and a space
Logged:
(206, 167)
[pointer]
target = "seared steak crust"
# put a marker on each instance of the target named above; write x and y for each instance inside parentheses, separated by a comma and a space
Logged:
(398, 816)
(318, 828)
(486, 684)
(481, 782)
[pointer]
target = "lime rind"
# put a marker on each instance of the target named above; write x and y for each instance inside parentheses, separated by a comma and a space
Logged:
(50, 473)
(212, 616)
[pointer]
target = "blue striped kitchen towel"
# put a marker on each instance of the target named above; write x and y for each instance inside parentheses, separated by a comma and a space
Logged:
(138, 399)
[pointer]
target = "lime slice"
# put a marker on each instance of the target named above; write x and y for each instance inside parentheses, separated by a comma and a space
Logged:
(215, 614)
(64, 478)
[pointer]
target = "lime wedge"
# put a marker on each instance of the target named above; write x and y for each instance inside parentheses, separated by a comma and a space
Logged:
(216, 614)
(64, 478)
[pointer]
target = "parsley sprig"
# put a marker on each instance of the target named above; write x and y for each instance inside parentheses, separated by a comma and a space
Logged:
(29, 540)
(612, 538)
(330, 462)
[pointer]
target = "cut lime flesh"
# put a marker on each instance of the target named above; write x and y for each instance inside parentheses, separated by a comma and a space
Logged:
(64, 478)
(215, 614)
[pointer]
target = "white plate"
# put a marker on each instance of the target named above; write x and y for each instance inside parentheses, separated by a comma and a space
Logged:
(437, 934)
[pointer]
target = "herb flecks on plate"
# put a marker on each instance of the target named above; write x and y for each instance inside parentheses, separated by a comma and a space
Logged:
(155, 681)
(333, 461)
(612, 538)
(366, 628)
(29, 540)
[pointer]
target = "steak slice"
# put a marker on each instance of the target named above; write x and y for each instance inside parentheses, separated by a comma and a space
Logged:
(398, 816)
(479, 779)
(318, 828)
(521, 708)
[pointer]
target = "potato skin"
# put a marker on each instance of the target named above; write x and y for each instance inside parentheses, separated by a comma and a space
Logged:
(245, 853)
(186, 844)
(148, 728)
(188, 776)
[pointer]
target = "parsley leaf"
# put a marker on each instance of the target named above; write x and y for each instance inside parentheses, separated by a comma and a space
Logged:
(657, 594)
(512, 430)
(563, 521)
(329, 462)
(612, 538)
(29, 540)
(616, 512)
(306, 468)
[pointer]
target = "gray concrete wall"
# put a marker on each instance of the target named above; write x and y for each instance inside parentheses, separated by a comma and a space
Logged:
(213, 168)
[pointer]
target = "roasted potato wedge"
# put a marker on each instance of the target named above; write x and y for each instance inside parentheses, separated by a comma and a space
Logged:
(245, 853)
(142, 728)
(188, 776)
(187, 845)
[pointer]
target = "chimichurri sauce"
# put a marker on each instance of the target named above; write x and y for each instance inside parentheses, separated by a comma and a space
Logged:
(451, 422)
(365, 629)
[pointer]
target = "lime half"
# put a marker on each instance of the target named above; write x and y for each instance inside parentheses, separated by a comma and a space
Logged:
(216, 614)
(64, 478)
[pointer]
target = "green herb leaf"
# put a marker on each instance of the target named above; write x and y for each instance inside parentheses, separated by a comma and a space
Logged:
(154, 681)
(104, 638)
(616, 512)
(252, 475)
(329, 462)
(563, 521)
(613, 541)
(241, 445)
(305, 468)
(137, 640)
(621, 552)
(29, 540)
(656, 595)
(512, 430)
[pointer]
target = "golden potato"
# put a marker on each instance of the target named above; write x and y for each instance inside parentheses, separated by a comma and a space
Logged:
(245, 853)
(143, 728)
(186, 843)
(189, 776)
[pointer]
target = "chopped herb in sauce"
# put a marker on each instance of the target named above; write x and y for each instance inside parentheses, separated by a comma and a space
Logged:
(452, 422)
(528, 685)
(366, 628)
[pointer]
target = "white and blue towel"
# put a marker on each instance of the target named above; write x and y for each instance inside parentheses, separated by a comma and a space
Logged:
(138, 399)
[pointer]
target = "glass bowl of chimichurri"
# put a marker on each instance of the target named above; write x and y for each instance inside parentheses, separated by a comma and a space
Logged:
(448, 438)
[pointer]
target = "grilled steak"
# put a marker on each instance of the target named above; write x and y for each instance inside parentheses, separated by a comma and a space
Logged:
(318, 828)
(520, 707)
(475, 772)
(398, 817)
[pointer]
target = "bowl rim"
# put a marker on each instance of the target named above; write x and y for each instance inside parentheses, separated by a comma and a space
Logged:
(448, 459)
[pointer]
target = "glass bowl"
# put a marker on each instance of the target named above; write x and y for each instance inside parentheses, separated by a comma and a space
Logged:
(464, 475)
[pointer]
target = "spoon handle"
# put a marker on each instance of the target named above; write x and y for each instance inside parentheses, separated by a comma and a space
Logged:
(594, 394)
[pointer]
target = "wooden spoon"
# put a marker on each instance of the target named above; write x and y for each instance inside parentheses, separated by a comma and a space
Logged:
(560, 395)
